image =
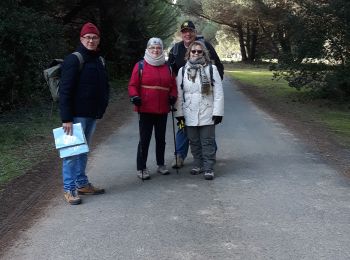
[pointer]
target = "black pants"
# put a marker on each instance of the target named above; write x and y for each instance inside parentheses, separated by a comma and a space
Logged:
(146, 123)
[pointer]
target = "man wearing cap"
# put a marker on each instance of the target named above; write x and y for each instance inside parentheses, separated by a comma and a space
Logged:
(176, 61)
(177, 53)
(84, 93)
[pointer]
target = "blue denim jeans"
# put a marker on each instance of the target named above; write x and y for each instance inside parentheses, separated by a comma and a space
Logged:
(73, 170)
(182, 143)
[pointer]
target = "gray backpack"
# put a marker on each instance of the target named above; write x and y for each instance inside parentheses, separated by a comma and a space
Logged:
(53, 73)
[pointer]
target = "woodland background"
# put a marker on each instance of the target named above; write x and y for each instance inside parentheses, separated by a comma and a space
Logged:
(307, 42)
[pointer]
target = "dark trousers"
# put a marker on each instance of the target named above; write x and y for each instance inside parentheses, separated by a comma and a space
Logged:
(202, 141)
(146, 124)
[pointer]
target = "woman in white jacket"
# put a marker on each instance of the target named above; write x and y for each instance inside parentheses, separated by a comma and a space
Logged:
(200, 104)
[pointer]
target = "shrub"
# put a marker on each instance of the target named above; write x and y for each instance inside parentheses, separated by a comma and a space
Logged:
(28, 41)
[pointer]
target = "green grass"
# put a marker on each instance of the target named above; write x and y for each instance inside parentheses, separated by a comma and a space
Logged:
(25, 139)
(259, 77)
(26, 135)
(338, 121)
(333, 115)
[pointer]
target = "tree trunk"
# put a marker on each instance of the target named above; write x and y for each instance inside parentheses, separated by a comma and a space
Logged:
(253, 45)
(284, 41)
(241, 41)
(248, 41)
(272, 46)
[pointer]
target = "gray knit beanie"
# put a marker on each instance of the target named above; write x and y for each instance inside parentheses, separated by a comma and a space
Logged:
(155, 41)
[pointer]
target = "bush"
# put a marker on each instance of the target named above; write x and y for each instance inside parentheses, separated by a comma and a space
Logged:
(28, 41)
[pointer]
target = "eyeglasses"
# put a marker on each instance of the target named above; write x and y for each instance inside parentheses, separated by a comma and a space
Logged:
(155, 48)
(187, 30)
(196, 51)
(93, 38)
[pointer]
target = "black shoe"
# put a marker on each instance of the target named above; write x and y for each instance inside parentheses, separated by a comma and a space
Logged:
(209, 175)
(196, 171)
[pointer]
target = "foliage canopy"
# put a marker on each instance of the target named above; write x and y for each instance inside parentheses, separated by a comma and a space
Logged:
(33, 32)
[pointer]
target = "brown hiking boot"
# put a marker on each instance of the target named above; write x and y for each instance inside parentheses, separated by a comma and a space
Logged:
(90, 190)
(72, 197)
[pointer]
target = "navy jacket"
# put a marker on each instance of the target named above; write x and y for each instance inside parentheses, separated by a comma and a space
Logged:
(177, 57)
(85, 92)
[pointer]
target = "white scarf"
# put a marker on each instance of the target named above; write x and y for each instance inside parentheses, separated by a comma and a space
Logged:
(159, 61)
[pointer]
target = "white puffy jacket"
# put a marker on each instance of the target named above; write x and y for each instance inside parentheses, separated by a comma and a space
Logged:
(198, 108)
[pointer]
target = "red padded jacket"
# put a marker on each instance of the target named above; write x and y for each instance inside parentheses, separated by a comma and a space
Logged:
(156, 86)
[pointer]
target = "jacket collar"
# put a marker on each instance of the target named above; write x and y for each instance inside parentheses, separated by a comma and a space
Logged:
(85, 52)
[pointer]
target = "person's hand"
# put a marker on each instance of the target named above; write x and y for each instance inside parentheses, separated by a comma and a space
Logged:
(180, 122)
(172, 100)
(136, 100)
(68, 128)
(217, 119)
(180, 118)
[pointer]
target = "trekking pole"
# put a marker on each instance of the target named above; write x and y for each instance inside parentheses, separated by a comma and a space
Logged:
(172, 115)
(140, 144)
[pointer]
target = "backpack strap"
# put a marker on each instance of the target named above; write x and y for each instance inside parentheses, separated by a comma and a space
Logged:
(182, 83)
(211, 74)
(140, 69)
(175, 52)
(176, 49)
(182, 79)
(80, 58)
(102, 61)
(170, 69)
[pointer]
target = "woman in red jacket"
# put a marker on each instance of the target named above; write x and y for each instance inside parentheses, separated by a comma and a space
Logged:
(152, 89)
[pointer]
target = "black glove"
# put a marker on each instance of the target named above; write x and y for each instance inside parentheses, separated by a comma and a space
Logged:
(136, 100)
(172, 100)
(217, 119)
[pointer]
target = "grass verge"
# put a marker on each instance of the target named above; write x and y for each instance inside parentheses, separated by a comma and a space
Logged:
(26, 135)
(334, 116)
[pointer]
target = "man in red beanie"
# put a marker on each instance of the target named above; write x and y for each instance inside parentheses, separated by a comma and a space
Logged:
(90, 31)
(84, 94)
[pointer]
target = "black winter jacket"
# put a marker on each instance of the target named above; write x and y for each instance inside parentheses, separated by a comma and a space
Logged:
(85, 92)
(177, 60)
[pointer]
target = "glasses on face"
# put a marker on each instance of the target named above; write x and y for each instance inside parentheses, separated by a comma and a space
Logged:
(91, 38)
(196, 51)
(158, 48)
(187, 31)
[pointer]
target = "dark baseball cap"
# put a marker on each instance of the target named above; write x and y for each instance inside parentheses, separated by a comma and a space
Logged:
(187, 25)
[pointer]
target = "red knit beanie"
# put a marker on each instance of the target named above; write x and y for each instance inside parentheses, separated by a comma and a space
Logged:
(89, 28)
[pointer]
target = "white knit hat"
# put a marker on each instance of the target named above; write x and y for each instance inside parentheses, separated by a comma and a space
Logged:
(155, 41)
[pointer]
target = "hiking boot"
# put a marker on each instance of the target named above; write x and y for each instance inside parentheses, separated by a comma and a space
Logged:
(180, 162)
(209, 175)
(163, 170)
(72, 197)
(143, 175)
(90, 190)
(196, 170)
